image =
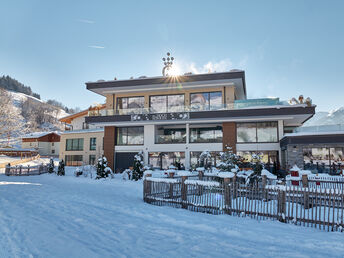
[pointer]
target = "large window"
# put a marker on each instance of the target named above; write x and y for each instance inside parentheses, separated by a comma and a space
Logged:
(269, 158)
(170, 134)
(75, 144)
(92, 160)
(93, 143)
(194, 158)
(167, 103)
(128, 104)
(206, 100)
(130, 135)
(73, 160)
(257, 132)
(324, 160)
(162, 160)
(206, 134)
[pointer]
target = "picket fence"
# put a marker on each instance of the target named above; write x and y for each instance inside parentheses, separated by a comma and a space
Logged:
(26, 170)
(317, 207)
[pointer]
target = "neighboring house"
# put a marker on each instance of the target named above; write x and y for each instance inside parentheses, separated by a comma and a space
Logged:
(81, 144)
(316, 148)
(174, 118)
(46, 143)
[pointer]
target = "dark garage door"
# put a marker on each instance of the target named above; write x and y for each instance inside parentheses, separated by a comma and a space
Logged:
(124, 160)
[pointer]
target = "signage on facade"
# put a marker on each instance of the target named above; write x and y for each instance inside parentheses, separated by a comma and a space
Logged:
(160, 116)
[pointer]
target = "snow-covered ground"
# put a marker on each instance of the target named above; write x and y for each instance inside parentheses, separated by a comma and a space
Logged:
(51, 216)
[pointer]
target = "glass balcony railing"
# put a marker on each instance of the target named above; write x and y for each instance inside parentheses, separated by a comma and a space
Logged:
(237, 104)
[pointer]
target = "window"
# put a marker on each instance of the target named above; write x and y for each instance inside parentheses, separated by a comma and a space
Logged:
(130, 135)
(257, 132)
(92, 160)
(269, 158)
(73, 160)
(206, 100)
(206, 134)
(52, 151)
(52, 144)
(93, 143)
(170, 134)
(75, 144)
(162, 160)
(167, 103)
(194, 158)
(130, 103)
(323, 160)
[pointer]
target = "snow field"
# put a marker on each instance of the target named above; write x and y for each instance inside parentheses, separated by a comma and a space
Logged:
(51, 216)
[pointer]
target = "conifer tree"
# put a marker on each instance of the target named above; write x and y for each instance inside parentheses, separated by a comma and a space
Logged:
(138, 166)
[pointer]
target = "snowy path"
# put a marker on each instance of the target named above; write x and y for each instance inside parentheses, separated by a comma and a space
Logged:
(80, 217)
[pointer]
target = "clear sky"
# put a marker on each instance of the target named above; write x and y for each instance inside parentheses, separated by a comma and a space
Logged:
(286, 48)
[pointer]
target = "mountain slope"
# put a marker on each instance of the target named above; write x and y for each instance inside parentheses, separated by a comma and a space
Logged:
(327, 118)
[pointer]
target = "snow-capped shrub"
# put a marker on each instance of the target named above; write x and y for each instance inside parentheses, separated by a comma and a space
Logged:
(205, 160)
(257, 167)
(78, 172)
(51, 166)
(61, 168)
(103, 171)
(229, 160)
(138, 167)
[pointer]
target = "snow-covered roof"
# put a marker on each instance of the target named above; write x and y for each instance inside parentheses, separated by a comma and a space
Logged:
(95, 130)
(313, 133)
(38, 135)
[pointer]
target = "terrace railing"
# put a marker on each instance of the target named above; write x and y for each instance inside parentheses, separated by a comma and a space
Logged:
(312, 207)
(26, 170)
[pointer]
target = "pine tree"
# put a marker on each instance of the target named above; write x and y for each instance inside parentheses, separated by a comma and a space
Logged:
(257, 167)
(229, 160)
(51, 166)
(103, 171)
(61, 169)
(138, 166)
(205, 160)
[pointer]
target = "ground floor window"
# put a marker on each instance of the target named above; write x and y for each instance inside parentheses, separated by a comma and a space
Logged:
(167, 134)
(73, 160)
(199, 134)
(92, 160)
(269, 158)
(324, 160)
(194, 158)
(162, 160)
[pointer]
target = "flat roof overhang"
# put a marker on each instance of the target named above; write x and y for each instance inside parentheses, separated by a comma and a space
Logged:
(236, 79)
(313, 139)
(292, 116)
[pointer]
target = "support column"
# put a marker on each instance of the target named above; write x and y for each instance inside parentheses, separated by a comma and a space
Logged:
(109, 145)
(229, 135)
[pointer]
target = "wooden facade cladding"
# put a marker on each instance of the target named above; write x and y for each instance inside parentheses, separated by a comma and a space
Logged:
(109, 145)
(46, 138)
(229, 135)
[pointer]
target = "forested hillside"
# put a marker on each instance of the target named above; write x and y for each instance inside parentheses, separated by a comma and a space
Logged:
(8, 83)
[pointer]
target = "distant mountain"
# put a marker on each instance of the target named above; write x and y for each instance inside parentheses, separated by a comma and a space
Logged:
(333, 117)
(10, 84)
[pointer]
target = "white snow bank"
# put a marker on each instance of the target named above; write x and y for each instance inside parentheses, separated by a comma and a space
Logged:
(268, 174)
(162, 180)
(226, 174)
(203, 183)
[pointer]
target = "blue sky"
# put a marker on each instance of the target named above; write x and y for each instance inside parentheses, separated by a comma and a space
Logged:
(286, 48)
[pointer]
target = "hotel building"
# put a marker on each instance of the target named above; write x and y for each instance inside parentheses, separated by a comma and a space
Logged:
(175, 118)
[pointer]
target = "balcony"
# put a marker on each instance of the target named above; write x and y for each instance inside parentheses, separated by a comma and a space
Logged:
(240, 108)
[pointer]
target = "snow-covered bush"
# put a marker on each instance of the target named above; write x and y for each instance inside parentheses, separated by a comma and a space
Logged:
(257, 167)
(61, 168)
(51, 166)
(138, 167)
(205, 160)
(126, 174)
(229, 160)
(78, 172)
(103, 171)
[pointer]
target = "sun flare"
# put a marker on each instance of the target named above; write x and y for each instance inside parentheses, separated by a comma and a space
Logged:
(174, 70)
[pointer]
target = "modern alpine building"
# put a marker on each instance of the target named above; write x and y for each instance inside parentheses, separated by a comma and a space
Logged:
(175, 118)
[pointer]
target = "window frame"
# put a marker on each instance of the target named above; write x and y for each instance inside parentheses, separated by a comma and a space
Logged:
(256, 127)
(117, 102)
(93, 144)
(166, 95)
(126, 144)
(207, 92)
(79, 147)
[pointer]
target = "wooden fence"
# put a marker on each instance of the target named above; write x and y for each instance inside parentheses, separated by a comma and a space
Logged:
(312, 207)
(19, 161)
(26, 170)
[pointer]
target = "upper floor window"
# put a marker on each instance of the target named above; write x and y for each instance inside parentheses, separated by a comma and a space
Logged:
(206, 134)
(93, 143)
(167, 103)
(257, 132)
(130, 135)
(75, 144)
(130, 103)
(206, 100)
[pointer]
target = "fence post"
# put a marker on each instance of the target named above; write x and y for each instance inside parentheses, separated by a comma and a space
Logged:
(304, 181)
(228, 199)
(184, 192)
(7, 170)
(147, 187)
(200, 175)
(171, 175)
(264, 192)
(281, 205)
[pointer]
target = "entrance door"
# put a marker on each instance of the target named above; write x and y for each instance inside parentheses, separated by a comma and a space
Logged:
(124, 160)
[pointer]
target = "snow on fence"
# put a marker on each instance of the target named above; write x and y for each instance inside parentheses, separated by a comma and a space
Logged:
(329, 182)
(312, 207)
(26, 170)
